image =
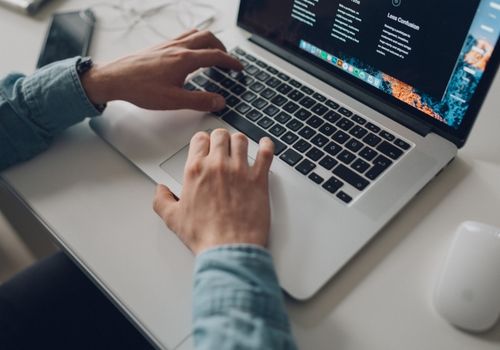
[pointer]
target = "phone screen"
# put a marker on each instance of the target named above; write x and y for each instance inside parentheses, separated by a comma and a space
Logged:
(69, 35)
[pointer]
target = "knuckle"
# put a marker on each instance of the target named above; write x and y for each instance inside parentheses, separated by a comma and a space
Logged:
(194, 169)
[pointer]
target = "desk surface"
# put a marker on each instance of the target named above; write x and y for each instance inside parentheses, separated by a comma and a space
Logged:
(85, 193)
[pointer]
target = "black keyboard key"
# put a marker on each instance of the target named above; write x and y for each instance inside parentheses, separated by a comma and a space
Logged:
(211, 87)
(351, 177)
(354, 145)
(284, 88)
(319, 140)
(340, 136)
(402, 144)
(358, 132)
(222, 112)
(250, 57)
(251, 69)
(291, 157)
(262, 76)
(227, 83)
(332, 117)
(189, 86)
(384, 162)
(224, 93)
(345, 112)
(289, 137)
(260, 103)
(333, 185)
(261, 64)
(315, 122)
(372, 139)
(243, 108)
(302, 146)
(345, 124)
(307, 132)
(254, 115)
(319, 97)
(291, 107)
(389, 150)
(333, 148)
(200, 80)
(319, 109)
(279, 100)
(295, 95)
(239, 51)
(303, 114)
(306, 90)
(315, 154)
(252, 131)
(346, 157)
(307, 102)
(238, 89)
(273, 82)
(332, 105)
(328, 163)
(268, 94)
(232, 101)
(358, 119)
(248, 96)
(368, 154)
(265, 122)
(316, 178)
(344, 197)
(271, 110)
(295, 125)
(305, 167)
(245, 80)
(360, 166)
(372, 127)
(277, 130)
(387, 135)
(327, 129)
(283, 76)
(215, 75)
(381, 163)
(295, 83)
(272, 70)
(282, 117)
(257, 87)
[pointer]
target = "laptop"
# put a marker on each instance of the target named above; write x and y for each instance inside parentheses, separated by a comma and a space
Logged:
(366, 103)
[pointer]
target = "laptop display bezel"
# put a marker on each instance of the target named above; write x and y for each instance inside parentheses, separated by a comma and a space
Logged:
(371, 96)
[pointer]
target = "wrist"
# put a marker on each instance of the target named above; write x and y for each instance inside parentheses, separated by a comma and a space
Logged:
(97, 85)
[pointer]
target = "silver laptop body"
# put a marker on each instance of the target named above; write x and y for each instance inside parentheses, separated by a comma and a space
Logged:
(314, 232)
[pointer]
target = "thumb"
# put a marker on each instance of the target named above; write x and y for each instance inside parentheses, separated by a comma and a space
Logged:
(165, 203)
(200, 101)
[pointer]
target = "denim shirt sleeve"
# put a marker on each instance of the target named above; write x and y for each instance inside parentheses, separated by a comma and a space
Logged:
(34, 109)
(238, 303)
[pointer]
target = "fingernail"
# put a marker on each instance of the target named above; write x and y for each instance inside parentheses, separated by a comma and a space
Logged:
(218, 103)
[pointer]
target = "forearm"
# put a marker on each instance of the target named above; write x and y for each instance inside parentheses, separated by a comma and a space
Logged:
(238, 303)
(34, 109)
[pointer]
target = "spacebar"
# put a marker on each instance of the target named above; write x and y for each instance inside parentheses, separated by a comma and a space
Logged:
(252, 131)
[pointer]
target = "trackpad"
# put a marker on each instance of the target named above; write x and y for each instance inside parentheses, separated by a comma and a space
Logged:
(174, 165)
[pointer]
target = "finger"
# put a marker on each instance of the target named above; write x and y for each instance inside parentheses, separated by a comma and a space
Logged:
(239, 148)
(196, 100)
(213, 57)
(198, 147)
(187, 34)
(264, 157)
(219, 143)
(203, 40)
(165, 203)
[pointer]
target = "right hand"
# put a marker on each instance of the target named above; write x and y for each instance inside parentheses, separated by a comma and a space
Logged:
(223, 200)
(154, 78)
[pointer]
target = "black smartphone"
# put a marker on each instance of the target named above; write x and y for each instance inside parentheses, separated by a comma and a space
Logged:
(69, 35)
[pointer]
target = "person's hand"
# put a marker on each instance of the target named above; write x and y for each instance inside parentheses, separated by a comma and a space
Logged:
(224, 200)
(154, 78)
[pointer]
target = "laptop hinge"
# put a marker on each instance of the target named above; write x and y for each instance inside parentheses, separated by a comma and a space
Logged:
(346, 87)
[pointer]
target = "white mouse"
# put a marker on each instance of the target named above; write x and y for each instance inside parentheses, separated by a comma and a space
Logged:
(468, 290)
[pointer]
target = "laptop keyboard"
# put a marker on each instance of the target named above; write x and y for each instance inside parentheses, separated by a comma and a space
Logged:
(335, 148)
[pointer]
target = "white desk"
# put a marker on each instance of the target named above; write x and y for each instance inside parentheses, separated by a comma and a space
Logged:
(98, 207)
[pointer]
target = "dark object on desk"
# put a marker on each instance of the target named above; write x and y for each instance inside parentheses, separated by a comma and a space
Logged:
(26, 6)
(69, 35)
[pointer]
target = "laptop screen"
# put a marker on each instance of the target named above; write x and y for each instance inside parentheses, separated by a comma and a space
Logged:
(428, 55)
